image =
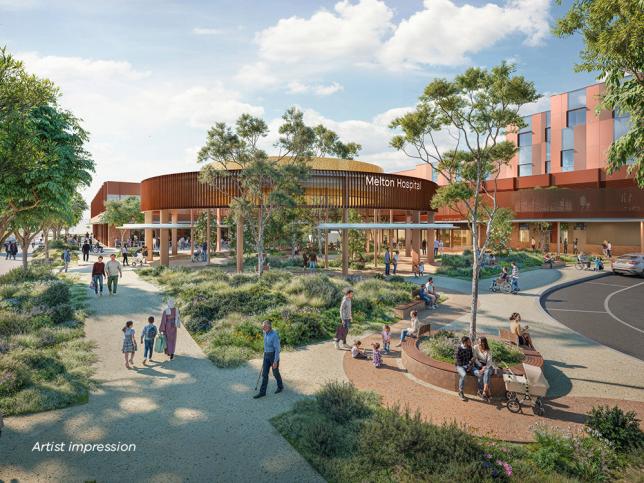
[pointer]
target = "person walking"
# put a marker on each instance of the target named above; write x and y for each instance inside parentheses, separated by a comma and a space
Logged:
(565, 245)
(387, 260)
(169, 324)
(395, 261)
(113, 271)
(515, 278)
(98, 273)
(271, 359)
(129, 343)
(609, 249)
(436, 245)
(575, 247)
(124, 254)
(7, 249)
(67, 257)
(147, 337)
(423, 247)
(533, 244)
(14, 249)
(85, 249)
(345, 317)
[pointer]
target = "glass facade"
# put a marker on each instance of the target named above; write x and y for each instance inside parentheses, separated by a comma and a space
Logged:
(525, 154)
(434, 175)
(567, 139)
(548, 138)
(577, 99)
(576, 117)
(528, 122)
(621, 125)
(568, 160)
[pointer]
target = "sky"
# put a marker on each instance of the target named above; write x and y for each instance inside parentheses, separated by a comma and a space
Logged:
(148, 78)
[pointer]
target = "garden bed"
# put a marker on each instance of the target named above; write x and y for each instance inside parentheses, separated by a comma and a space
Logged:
(460, 266)
(223, 312)
(347, 436)
(431, 359)
(45, 361)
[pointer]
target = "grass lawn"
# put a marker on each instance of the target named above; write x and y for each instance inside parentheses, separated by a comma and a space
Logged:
(223, 312)
(45, 361)
(347, 436)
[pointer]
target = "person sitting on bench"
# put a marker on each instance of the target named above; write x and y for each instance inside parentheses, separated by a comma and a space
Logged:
(547, 260)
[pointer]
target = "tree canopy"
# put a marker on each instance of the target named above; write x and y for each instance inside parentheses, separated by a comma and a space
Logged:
(459, 128)
(119, 212)
(613, 31)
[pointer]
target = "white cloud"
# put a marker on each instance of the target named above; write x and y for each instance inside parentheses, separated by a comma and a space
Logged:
(363, 34)
(444, 33)
(18, 4)
(540, 105)
(207, 31)
(297, 87)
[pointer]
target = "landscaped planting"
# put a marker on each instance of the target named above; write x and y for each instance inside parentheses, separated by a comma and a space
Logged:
(460, 266)
(347, 436)
(45, 362)
(441, 346)
(224, 312)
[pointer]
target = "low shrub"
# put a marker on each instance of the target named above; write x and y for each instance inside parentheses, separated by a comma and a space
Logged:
(14, 375)
(442, 347)
(342, 402)
(32, 274)
(318, 286)
(621, 429)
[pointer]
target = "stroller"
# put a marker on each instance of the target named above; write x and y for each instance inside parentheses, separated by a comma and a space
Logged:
(532, 387)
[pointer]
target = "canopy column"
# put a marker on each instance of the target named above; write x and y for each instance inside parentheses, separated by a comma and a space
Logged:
(149, 237)
(431, 236)
(391, 232)
(218, 230)
(558, 238)
(164, 254)
(345, 243)
(408, 237)
(192, 234)
(641, 236)
(175, 247)
(415, 237)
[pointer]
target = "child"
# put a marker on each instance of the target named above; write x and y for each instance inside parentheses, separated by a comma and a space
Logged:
(377, 356)
(356, 351)
(129, 344)
(386, 338)
(147, 336)
(421, 269)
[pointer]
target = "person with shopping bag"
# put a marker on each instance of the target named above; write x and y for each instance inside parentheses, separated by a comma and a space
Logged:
(346, 316)
(169, 324)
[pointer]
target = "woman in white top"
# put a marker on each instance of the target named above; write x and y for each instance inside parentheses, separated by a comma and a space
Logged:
(413, 327)
(485, 362)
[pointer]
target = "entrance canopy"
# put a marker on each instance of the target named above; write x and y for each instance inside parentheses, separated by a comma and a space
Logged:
(164, 226)
(386, 226)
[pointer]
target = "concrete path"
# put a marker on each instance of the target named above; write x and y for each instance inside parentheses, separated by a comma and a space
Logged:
(189, 420)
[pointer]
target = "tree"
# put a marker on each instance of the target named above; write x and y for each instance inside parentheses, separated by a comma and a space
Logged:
(474, 111)
(25, 225)
(327, 142)
(23, 176)
(501, 231)
(120, 212)
(264, 185)
(357, 238)
(65, 216)
(613, 31)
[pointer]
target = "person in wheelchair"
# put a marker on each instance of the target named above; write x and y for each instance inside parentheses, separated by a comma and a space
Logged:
(501, 280)
(584, 260)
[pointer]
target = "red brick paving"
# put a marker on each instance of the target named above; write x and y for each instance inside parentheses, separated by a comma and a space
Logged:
(493, 419)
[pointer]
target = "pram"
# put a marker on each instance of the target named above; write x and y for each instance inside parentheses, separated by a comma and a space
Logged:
(139, 259)
(527, 389)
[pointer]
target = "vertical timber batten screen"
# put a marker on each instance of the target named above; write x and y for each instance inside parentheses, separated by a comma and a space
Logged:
(323, 189)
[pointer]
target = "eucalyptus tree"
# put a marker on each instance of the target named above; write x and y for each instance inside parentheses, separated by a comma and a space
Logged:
(459, 127)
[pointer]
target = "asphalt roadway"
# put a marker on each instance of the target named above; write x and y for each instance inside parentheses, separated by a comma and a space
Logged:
(609, 310)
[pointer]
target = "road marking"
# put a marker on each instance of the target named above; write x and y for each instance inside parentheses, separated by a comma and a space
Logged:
(577, 310)
(606, 306)
(609, 284)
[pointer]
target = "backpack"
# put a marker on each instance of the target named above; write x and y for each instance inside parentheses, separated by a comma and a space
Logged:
(152, 332)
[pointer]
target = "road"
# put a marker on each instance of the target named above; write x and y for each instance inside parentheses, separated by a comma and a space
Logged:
(608, 310)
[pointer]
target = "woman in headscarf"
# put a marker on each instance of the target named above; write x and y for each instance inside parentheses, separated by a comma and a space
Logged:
(169, 324)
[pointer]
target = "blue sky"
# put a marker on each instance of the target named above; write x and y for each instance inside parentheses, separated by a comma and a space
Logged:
(150, 77)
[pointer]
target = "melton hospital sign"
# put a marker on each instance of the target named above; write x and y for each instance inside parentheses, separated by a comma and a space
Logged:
(371, 180)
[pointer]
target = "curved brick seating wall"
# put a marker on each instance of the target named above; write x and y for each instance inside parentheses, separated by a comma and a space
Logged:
(444, 375)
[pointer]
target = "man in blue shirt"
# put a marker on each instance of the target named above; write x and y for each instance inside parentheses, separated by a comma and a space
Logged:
(271, 359)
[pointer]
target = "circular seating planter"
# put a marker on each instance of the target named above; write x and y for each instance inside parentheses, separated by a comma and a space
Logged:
(445, 376)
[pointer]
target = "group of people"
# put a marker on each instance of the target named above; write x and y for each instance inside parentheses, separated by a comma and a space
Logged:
(507, 277)
(11, 249)
(110, 271)
(391, 258)
(428, 294)
(170, 322)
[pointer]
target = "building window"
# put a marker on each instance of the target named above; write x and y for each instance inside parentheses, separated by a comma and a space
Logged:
(525, 169)
(434, 175)
(577, 99)
(621, 125)
(528, 125)
(547, 118)
(548, 166)
(568, 160)
(524, 233)
(548, 135)
(576, 117)
(525, 154)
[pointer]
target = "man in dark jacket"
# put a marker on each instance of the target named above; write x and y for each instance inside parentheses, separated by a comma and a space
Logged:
(86, 248)
(464, 362)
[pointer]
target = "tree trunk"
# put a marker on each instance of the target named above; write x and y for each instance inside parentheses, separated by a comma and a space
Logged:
(46, 241)
(475, 279)
(25, 248)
